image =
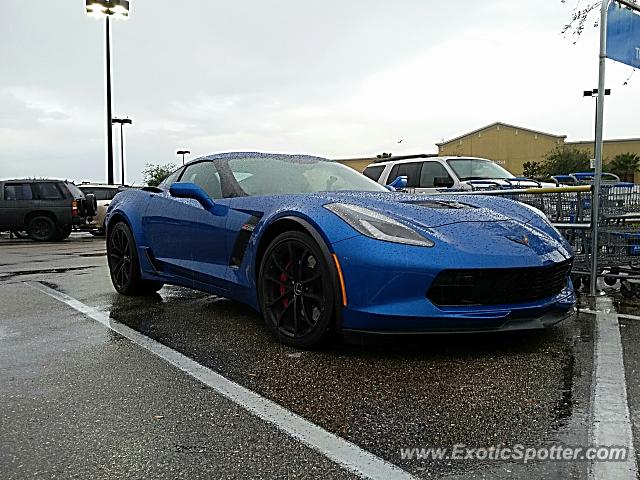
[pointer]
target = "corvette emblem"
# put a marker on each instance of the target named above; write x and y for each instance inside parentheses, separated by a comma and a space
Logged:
(523, 240)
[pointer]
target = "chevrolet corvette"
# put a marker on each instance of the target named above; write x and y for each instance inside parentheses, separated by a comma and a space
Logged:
(317, 248)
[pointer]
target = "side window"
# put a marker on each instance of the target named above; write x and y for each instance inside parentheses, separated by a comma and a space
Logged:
(48, 191)
(166, 183)
(205, 176)
(18, 191)
(374, 172)
(411, 170)
(104, 193)
(434, 175)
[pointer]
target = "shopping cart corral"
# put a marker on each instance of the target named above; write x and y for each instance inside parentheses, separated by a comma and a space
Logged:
(569, 210)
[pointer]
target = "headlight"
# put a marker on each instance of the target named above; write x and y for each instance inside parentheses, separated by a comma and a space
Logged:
(376, 225)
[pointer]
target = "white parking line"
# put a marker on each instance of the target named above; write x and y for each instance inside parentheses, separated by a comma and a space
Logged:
(349, 456)
(611, 424)
(620, 315)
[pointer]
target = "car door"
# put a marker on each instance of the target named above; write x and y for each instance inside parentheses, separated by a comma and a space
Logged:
(409, 169)
(186, 239)
(434, 177)
(17, 200)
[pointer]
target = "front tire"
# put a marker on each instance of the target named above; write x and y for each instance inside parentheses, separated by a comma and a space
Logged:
(124, 266)
(296, 290)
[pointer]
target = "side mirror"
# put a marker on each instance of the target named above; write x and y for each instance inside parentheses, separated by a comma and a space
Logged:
(442, 182)
(191, 190)
(398, 183)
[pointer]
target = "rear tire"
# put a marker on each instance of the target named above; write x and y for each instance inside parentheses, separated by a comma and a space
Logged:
(42, 229)
(296, 290)
(124, 266)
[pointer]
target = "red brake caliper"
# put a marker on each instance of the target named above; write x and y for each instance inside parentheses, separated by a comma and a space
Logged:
(283, 278)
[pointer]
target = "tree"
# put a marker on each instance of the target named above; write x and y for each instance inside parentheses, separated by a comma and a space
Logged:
(581, 15)
(384, 155)
(533, 170)
(625, 165)
(154, 174)
(564, 160)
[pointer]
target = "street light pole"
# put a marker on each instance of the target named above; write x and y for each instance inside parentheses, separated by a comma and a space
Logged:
(183, 153)
(122, 122)
(110, 179)
(594, 93)
(595, 203)
(107, 9)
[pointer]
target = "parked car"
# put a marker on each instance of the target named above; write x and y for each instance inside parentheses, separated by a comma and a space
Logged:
(103, 194)
(318, 248)
(46, 209)
(431, 174)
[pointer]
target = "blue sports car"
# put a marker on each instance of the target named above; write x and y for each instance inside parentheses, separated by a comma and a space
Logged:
(318, 248)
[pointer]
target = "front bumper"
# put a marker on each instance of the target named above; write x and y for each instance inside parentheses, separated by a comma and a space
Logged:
(386, 292)
(446, 325)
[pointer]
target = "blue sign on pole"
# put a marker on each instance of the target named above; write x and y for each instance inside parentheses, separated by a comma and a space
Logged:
(623, 35)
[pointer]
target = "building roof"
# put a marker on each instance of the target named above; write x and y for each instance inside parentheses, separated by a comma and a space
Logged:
(502, 124)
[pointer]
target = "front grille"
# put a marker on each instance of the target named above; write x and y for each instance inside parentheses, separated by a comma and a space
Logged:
(497, 286)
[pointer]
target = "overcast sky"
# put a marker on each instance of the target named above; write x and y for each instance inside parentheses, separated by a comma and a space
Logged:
(334, 78)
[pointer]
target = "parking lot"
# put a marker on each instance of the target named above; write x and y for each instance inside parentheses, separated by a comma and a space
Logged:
(89, 386)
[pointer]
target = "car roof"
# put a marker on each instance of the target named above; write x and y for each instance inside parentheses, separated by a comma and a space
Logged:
(33, 180)
(415, 159)
(253, 155)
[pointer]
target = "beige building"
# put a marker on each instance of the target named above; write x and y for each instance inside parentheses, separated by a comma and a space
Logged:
(505, 144)
(512, 146)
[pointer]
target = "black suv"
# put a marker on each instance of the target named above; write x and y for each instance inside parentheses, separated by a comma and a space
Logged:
(46, 209)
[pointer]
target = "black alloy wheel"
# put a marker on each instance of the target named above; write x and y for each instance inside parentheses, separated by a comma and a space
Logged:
(296, 290)
(42, 229)
(123, 263)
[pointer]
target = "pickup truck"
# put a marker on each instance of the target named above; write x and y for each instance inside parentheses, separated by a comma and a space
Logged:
(432, 174)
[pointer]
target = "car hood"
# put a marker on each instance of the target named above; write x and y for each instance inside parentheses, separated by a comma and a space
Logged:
(468, 222)
(435, 211)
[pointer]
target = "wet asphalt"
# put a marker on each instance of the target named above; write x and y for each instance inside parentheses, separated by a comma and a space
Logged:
(62, 371)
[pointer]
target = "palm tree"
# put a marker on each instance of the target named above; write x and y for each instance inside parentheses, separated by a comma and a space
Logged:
(625, 165)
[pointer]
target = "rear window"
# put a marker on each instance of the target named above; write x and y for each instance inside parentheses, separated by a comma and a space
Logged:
(75, 191)
(18, 191)
(374, 172)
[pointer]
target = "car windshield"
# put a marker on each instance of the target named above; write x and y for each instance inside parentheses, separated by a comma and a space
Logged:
(289, 175)
(477, 169)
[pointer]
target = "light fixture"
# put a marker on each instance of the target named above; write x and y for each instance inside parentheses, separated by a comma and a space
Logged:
(108, 8)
